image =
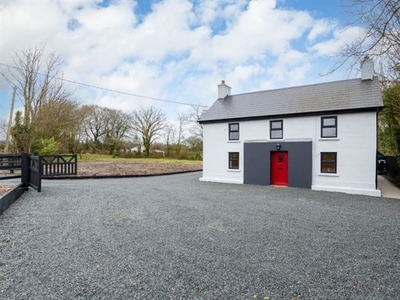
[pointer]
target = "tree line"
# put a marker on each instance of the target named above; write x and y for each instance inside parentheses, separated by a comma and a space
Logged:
(51, 122)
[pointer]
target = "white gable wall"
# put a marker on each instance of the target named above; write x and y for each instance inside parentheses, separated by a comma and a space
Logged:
(355, 147)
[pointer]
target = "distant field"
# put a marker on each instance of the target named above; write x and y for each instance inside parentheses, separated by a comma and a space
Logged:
(110, 158)
(106, 165)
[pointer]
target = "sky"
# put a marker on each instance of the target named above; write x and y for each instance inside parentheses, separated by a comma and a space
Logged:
(176, 50)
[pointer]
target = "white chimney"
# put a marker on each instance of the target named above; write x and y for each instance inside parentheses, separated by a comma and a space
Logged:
(223, 90)
(367, 68)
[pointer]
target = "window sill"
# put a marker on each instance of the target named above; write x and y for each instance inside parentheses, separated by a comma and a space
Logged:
(233, 170)
(329, 139)
(329, 174)
(233, 141)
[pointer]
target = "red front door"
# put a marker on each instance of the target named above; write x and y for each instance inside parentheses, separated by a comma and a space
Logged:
(279, 168)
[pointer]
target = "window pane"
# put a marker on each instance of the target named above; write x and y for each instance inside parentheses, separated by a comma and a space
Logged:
(234, 135)
(330, 157)
(328, 162)
(234, 127)
(276, 124)
(234, 164)
(233, 160)
(328, 167)
(329, 132)
(276, 134)
(234, 155)
(329, 122)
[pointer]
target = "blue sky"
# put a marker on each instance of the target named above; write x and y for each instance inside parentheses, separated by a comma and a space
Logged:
(177, 50)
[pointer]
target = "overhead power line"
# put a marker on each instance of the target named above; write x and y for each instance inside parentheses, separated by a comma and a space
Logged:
(110, 90)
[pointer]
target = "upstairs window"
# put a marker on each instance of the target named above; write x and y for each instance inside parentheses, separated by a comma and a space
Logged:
(233, 160)
(329, 127)
(328, 162)
(234, 131)
(276, 129)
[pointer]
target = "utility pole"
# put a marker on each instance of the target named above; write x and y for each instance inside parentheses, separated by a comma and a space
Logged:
(10, 121)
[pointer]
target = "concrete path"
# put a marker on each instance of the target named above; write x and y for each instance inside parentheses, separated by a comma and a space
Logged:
(388, 189)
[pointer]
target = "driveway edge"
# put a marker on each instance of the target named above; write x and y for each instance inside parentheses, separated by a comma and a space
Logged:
(11, 196)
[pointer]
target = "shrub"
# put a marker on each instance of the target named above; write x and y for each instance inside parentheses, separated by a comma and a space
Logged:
(46, 146)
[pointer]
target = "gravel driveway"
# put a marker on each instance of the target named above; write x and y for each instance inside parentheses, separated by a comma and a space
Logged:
(173, 237)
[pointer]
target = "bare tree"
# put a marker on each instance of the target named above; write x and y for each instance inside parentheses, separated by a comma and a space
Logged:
(94, 124)
(106, 128)
(117, 127)
(194, 117)
(149, 123)
(35, 77)
(169, 137)
(381, 39)
(61, 120)
(182, 121)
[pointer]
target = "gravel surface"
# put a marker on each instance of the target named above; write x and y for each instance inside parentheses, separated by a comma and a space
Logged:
(173, 237)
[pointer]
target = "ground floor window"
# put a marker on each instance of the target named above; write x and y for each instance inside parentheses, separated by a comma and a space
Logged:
(233, 160)
(328, 162)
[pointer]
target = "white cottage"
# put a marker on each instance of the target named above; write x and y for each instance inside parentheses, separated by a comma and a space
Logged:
(320, 136)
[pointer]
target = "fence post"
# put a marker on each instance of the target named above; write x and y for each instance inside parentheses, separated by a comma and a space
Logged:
(76, 164)
(40, 173)
(25, 169)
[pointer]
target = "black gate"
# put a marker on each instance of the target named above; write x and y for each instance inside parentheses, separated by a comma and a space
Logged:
(31, 171)
(59, 165)
(35, 167)
(35, 172)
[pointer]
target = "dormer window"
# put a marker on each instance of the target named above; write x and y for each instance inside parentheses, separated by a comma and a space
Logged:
(234, 131)
(328, 127)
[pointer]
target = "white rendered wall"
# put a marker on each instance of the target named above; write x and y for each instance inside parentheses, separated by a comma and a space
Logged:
(356, 156)
(355, 147)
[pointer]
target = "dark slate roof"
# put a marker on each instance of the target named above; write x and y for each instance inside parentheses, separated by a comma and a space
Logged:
(344, 95)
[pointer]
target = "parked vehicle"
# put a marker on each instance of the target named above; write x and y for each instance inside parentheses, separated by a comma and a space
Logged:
(381, 164)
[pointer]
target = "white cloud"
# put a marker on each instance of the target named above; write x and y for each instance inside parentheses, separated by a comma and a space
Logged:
(254, 35)
(341, 38)
(179, 51)
(167, 31)
(321, 28)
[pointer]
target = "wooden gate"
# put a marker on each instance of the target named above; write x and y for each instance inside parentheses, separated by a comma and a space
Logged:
(35, 172)
(31, 171)
(35, 167)
(59, 165)
(9, 163)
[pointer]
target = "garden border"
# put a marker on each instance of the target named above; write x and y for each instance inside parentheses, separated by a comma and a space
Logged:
(7, 199)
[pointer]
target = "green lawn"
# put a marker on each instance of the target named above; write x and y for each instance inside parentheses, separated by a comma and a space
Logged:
(105, 157)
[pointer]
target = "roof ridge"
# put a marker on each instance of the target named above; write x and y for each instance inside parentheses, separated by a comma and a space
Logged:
(297, 86)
